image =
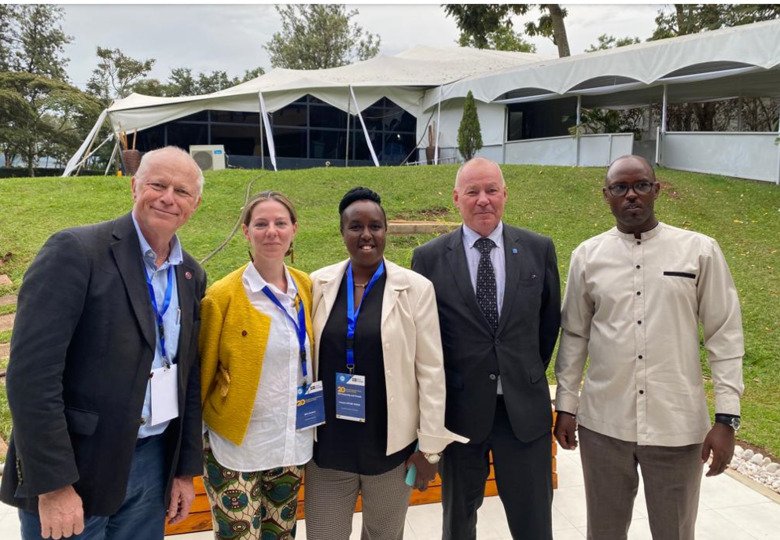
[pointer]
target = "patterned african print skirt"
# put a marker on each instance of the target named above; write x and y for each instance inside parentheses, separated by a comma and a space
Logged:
(251, 505)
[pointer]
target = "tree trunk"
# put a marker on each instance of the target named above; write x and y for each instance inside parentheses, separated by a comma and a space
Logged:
(559, 29)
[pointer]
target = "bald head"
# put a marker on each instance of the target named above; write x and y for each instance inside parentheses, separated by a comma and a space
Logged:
(173, 156)
(629, 161)
(484, 165)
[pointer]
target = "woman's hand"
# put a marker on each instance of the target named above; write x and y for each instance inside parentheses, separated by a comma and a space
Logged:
(426, 472)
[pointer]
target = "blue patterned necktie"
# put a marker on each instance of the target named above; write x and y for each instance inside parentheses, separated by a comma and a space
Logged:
(486, 282)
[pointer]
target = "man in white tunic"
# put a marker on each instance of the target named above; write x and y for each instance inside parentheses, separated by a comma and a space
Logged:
(635, 298)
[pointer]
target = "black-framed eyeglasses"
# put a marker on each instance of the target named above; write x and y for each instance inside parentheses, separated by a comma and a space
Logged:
(640, 188)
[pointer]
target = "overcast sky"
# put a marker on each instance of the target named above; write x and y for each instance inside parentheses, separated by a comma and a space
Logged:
(231, 37)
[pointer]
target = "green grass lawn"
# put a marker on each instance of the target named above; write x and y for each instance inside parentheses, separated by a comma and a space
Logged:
(562, 202)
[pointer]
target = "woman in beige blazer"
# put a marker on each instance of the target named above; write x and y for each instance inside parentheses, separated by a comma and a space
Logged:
(383, 379)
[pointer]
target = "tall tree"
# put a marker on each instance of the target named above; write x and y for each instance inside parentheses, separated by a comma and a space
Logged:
(46, 125)
(478, 21)
(503, 39)
(39, 108)
(215, 81)
(469, 131)
(8, 34)
(41, 46)
(316, 36)
(686, 19)
(115, 74)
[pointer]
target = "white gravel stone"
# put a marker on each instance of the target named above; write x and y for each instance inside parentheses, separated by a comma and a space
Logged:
(757, 467)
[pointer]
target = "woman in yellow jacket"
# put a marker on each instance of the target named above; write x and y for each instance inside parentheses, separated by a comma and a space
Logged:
(255, 365)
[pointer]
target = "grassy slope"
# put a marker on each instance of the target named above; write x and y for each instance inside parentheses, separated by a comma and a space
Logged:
(562, 202)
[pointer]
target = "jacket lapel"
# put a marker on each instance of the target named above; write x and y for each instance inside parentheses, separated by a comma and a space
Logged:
(329, 283)
(459, 266)
(127, 250)
(394, 284)
(185, 287)
(516, 267)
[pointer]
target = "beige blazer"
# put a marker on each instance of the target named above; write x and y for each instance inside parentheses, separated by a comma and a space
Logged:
(414, 365)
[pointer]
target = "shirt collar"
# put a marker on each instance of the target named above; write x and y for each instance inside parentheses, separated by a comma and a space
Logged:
(174, 257)
(652, 233)
(470, 236)
(255, 282)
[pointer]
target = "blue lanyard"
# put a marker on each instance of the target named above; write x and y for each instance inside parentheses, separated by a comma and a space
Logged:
(352, 313)
(300, 329)
(158, 314)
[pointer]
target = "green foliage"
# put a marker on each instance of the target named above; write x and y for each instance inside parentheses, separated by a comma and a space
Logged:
(40, 41)
(469, 131)
(501, 39)
(693, 18)
(182, 82)
(317, 36)
(610, 42)
(115, 74)
(40, 117)
(479, 23)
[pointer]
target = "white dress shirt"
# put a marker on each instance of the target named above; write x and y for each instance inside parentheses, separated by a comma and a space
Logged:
(271, 439)
(634, 307)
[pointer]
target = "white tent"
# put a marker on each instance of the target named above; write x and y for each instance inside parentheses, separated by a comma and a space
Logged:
(732, 62)
(739, 61)
(401, 78)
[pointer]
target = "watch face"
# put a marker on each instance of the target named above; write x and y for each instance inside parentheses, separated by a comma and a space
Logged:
(735, 423)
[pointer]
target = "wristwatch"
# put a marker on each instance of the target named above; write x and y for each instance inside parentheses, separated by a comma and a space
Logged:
(433, 459)
(729, 419)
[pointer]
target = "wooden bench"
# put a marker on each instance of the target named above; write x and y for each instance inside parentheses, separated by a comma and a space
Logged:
(200, 514)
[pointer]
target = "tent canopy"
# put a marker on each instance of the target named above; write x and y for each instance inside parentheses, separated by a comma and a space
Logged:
(737, 61)
(401, 78)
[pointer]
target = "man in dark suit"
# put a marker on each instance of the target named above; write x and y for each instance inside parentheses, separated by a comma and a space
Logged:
(103, 380)
(497, 289)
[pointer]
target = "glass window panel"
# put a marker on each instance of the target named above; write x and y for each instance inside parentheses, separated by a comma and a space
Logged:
(515, 128)
(149, 139)
(290, 142)
(235, 117)
(237, 140)
(294, 114)
(327, 144)
(327, 116)
(185, 135)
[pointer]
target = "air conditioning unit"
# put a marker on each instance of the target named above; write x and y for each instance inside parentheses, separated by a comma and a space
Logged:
(209, 157)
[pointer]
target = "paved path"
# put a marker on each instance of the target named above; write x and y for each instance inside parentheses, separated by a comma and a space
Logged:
(7, 321)
(7, 299)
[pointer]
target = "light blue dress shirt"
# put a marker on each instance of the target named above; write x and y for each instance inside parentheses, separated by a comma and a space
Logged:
(171, 320)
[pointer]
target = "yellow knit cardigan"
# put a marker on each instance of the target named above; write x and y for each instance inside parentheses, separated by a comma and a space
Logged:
(233, 337)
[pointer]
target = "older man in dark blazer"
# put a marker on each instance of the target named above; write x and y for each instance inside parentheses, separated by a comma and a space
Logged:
(498, 294)
(103, 379)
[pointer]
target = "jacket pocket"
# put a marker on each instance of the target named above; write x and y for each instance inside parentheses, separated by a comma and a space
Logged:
(80, 421)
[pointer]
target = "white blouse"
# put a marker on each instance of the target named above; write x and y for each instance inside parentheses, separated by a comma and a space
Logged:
(271, 439)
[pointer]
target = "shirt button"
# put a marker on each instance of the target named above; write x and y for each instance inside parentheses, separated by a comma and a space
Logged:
(638, 267)
(640, 356)
(142, 421)
(243, 332)
(497, 342)
(641, 391)
(639, 322)
(639, 293)
(638, 243)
